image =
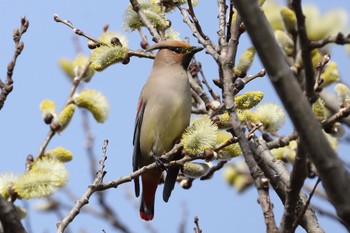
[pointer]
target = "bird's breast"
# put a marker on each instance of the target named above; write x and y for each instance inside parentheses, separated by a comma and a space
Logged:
(167, 114)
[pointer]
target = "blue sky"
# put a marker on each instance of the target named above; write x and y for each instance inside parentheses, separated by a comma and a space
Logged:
(37, 77)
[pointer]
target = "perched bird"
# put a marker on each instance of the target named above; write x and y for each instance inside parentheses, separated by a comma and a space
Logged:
(163, 113)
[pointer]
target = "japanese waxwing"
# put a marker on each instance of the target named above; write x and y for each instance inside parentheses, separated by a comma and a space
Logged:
(163, 113)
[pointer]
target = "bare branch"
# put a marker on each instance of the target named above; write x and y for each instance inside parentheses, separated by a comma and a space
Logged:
(339, 39)
(140, 54)
(213, 170)
(222, 7)
(207, 43)
(98, 184)
(76, 30)
(278, 175)
(280, 142)
(297, 178)
(108, 213)
(137, 8)
(197, 229)
(61, 226)
(330, 215)
(195, 20)
(199, 90)
(205, 82)
(296, 222)
(332, 104)
(305, 52)
(337, 117)
(319, 69)
(7, 86)
(229, 23)
(266, 205)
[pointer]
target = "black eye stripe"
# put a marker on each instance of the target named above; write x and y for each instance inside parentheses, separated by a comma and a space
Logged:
(177, 49)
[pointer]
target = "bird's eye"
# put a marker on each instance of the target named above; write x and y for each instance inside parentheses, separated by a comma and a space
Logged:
(177, 50)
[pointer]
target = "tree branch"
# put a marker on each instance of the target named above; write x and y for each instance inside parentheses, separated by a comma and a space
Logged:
(278, 175)
(332, 104)
(61, 226)
(137, 8)
(98, 184)
(305, 52)
(107, 212)
(222, 7)
(266, 204)
(298, 108)
(9, 218)
(339, 39)
(52, 132)
(206, 42)
(7, 86)
(297, 178)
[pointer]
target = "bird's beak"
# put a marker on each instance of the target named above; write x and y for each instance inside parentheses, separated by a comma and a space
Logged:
(196, 49)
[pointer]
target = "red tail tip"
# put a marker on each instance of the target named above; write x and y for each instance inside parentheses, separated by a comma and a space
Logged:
(146, 217)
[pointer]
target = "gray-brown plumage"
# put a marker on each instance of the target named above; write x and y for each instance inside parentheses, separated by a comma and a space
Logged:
(163, 113)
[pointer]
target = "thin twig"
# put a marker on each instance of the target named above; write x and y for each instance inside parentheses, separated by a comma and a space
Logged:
(184, 217)
(282, 141)
(137, 8)
(108, 213)
(332, 104)
(339, 39)
(330, 215)
(46, 142)
(143, 37)
(7, 86)
(297, 178)
(140, 54)
(229, 23)
(205, 82)
(222, 23)
(249, 78)
(61, 226)
(197, 229)
(76, 30)
(213, 169)
(225, 144)
(319, 68)
(98, 184)
(200, 106)
(195, 20)
(305, 52)
(266, 204)
(337, 117)
(199, 90)
(220, 164)
(52, 132)
(207, 43)
(297, 221)
(278, 175)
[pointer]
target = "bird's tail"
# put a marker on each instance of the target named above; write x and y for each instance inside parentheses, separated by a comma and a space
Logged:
(171, 178)
(150, 181)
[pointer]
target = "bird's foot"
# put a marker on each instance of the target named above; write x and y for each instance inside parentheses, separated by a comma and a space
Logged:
(160, 162)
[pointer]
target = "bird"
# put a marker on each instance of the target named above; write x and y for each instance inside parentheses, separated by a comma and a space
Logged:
(163, 113)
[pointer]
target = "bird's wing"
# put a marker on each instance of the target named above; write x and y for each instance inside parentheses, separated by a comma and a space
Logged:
(136, 142)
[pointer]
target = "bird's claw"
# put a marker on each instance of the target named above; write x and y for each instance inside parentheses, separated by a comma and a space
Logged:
(160, 162)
